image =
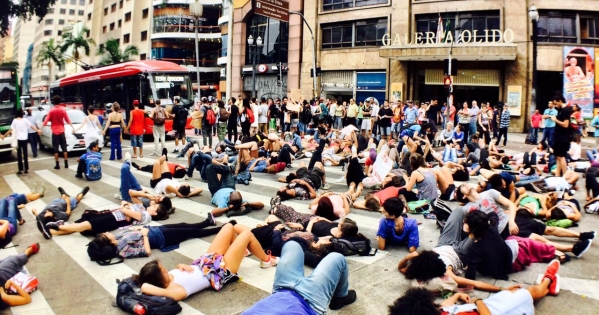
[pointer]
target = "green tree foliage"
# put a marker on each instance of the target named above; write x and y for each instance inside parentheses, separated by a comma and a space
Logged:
(112, 53)
(24, 9)
(50, 52)
(77, 42)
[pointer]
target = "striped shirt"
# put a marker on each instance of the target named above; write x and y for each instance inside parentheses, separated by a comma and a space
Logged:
(505, 119)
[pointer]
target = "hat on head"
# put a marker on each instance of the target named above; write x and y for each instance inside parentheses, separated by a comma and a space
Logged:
(135, 102)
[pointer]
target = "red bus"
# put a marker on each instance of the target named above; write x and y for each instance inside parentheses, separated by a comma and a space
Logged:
(145, 80)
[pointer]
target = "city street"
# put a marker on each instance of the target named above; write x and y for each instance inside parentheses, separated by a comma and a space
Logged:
(72, 284)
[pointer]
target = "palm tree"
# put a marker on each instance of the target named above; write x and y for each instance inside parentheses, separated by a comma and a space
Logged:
(113, 54)
(50, 52)
(77, 42)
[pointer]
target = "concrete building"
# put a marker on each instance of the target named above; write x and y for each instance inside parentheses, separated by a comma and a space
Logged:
(6, 48)
(23, 34)
(125, 20)
(173, 34)
(62, 13)
(282, 43)
(382, 48)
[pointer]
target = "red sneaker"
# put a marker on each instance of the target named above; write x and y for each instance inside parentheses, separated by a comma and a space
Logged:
(551, 274)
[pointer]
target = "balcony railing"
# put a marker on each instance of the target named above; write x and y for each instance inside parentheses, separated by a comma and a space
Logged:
(185, 28)
(206, 60)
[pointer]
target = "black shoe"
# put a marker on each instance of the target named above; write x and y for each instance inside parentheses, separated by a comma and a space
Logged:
(175, 151)
(275, 201)
(337, 303)
(66, 164)
(236, 213)
(57, 166)
(211, 219)
(79, 176)
(165, 153)
(135, 166)
(581, 247)
(54, 225)
(171, 210)
(230, 277)
(26, 172)
(587, 235)
(62, 192)
(84, 191)
(19, 173)
(43, 229)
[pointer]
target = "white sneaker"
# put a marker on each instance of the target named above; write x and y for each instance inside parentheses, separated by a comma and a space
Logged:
(154, 154)
(186, 177)
(118, 196)
(128, 157)
(196, 148)
(340, 180)
(273, 261)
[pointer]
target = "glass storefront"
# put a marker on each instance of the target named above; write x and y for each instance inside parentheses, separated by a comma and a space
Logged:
(275, 39)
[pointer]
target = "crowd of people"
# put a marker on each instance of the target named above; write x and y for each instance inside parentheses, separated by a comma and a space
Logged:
(411, 157)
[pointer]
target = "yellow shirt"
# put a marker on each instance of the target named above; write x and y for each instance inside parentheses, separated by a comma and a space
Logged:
(352, 111)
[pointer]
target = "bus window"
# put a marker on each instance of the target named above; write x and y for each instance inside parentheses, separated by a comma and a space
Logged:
(168, 86)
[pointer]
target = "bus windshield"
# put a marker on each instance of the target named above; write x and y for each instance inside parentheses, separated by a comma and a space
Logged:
(166, 86)
(8, 100)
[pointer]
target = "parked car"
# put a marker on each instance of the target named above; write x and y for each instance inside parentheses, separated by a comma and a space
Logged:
(75, 142)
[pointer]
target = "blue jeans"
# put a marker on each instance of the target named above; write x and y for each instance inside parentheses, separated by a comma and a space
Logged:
(115, 143)
(10, 212)
(450, 155)
(301, 127)
(548, 135)
(128, 182)
(199, 162)
(297, 141)
(338, 123)
(328, 280)
(214, 183)
(534, 134)
(472, 129)
(591, 155)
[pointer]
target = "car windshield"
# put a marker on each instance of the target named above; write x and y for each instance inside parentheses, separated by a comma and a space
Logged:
(76, 116)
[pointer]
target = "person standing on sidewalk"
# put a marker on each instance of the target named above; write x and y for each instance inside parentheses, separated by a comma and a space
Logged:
(32, 135)
(504, 124)
(535, 123)
(159, 115)
(562, 134)
(206, 127)
(549, 123)
(179, 121)
(136, 129)
(19, 127)
(232, 125)
(58, 117)
(115, 123)
(473, 119)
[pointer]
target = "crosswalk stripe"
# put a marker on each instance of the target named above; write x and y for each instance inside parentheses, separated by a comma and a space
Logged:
(193, 247)
(39, 304)
(364, 221)
(75, 245)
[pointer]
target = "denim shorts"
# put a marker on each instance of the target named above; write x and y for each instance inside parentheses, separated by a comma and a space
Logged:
(385, 131)
(137, 141)
(301, 127)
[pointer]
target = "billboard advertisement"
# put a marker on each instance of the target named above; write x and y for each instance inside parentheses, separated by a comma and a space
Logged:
(579, 78)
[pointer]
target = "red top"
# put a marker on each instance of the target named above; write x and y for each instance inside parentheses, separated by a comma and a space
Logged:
(536, 120)
(58, 117)
(173, 166)
(137, 122)
(389, 192)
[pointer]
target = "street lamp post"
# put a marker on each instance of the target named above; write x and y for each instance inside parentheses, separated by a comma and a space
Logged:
(254, 51)
(196, 9)
(313, 53)
(533, 14)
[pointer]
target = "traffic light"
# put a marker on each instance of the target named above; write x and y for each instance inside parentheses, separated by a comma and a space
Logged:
(454, 67)
(448, 84)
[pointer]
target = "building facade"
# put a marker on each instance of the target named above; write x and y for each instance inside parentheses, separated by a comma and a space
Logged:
(391, 49)
(6, 47)
(173, 34)
(23, 34)
(281, 46)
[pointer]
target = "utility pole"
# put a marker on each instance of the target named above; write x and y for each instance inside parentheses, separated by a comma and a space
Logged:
(315, 92)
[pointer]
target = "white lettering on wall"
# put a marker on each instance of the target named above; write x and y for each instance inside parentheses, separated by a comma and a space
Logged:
(465, 36)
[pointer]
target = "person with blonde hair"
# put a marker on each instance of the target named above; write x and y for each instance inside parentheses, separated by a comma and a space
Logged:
(116, 125)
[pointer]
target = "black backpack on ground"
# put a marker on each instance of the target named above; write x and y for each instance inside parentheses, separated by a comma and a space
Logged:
(129, 295)
(442, 211)
(103, 255)
(359, 246)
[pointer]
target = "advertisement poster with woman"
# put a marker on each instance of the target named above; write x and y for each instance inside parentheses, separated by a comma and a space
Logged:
(579, 78)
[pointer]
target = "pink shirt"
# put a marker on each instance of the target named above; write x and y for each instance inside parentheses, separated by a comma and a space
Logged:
(337, 202)
(58, 117)
(536, 120)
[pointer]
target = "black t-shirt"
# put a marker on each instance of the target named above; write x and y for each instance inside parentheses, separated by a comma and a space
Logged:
(385, 122)
(490, 256)
(323, 228)
(175, 111)
(561, 133)
(282, 112)
(234, 113)
(433, 112)
(274, 111)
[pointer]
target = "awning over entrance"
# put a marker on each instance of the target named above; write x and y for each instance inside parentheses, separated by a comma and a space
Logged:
(438, 52)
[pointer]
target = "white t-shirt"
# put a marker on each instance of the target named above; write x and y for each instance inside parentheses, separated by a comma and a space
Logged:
(575, 151)
(263, 118)
(161, 186)
(20, 128)
(332, 109)
(374, 111)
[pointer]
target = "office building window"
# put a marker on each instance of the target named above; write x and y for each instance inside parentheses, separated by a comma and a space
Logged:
(127, 16)
(144, 13)
(557, 27)
(82, 2)
(59, 32)
(87, 33)
(144, 36)
(63, 1)
(63, 11)
(142, 57)
(91, 1)
(589, 30)
(104, 29)
(60, 22)
(112, 26)
(119, 23)
(89, 16)
(47, 32)
(80, 12)
(48, 21)
(73, 2)
(71, 12)
(328, 5)
(467, 21)
(275, 39)
(354, 34)
(113, 7)
(126, 39)
(105, 11)
(51, 11)
(121, 4)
